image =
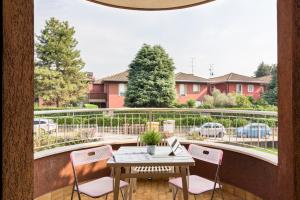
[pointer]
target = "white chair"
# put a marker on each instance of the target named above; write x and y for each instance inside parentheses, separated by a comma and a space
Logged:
(198, 185)
(95, 188)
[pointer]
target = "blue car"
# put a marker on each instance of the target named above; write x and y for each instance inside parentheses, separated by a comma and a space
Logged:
(254, 130)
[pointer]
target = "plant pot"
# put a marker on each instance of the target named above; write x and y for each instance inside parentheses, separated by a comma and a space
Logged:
(151, 149)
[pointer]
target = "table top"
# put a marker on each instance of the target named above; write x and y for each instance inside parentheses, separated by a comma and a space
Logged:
(138, 156)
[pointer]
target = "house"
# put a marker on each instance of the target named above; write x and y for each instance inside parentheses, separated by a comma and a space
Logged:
(110, 91)
(189, 86)
(240, 84)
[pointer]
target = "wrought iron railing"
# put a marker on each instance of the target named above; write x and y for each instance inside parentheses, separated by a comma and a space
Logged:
(237, 127)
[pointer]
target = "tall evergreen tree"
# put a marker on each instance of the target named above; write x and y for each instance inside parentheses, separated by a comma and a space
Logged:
(58, 75)
(271, 94)
(263, 70)
(151, 81)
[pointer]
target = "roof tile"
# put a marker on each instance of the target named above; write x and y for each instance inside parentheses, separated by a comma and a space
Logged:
(233, 77)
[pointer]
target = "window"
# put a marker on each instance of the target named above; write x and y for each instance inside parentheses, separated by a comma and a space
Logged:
(239, 88)
(182, 90)
(122, 89)
(207, 126)
(196, 87)
(250, 88)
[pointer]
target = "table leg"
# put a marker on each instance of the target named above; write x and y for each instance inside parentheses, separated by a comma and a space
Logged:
(184, 183)
(128, 193)
(117, 183)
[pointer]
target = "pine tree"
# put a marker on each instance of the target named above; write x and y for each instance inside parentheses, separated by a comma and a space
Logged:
(151, 81)
(59, 77)
(263, 70)
(272, 91)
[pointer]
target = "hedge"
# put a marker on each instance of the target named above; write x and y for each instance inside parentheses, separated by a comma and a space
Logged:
(183, 121)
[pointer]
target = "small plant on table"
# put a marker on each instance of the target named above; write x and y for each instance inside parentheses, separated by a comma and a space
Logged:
(151, 138)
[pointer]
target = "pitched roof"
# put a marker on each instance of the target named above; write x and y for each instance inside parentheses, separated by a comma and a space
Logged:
(119, 77)
(266, 79)
(184, 77)
(179, 77)
(233, 77)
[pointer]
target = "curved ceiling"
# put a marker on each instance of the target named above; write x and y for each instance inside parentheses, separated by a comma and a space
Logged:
(150, 4)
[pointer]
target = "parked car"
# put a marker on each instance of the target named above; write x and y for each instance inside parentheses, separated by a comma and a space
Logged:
(46, 125)
(254, 130)
(210, 129)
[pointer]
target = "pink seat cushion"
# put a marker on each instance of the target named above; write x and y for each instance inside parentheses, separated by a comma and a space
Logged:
(99, 187)
(197, 184)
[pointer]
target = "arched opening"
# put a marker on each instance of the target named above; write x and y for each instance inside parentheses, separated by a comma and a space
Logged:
(17, 100)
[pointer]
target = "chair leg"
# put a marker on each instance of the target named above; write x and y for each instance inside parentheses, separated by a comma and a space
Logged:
(195, 197)
(79, 198)
(222, 195)
(213, 193)
(174, 195)
(123, 197)
(72, 191)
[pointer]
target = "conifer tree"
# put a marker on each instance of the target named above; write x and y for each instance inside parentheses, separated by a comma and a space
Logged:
(58, 75)
(151, 81)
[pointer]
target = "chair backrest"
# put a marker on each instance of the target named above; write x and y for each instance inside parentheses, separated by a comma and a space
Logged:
(87, 156)
(214, 156)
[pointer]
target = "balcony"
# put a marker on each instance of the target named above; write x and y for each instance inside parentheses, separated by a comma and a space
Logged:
(97, 97)
(248, 170)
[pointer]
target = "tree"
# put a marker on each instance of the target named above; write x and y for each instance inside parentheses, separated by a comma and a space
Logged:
(58, 76)
(263, 70)
(151, 81)
(272, 90)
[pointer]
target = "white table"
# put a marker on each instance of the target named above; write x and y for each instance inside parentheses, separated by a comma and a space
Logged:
(129, 156)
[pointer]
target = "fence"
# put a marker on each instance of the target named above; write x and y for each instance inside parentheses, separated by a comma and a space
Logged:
(65, 127)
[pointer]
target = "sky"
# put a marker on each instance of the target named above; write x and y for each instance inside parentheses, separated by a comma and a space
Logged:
(229, 35)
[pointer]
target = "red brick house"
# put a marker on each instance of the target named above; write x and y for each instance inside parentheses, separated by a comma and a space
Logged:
(236, 83)
(189, 86)
(110, 91)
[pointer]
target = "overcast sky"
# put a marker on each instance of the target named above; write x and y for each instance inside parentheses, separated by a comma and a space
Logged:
(232, 35)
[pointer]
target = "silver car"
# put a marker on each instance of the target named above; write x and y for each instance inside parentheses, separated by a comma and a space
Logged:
(46, 125)
(210, 129)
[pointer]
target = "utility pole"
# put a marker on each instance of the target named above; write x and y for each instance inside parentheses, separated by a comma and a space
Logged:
(211, 73)
(193, 58)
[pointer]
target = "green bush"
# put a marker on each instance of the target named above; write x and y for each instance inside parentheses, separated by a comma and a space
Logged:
(231, 100)
(191, 103)
(261, 102)
(251, 100)
(36, 108)
(220, 100)
(239, 122)
(226, 122)
(242, 101)
(151, 137)
(87, 105)
(206, 106)
(208, 100)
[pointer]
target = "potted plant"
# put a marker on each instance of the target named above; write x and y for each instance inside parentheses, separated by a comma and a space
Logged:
(151, 138)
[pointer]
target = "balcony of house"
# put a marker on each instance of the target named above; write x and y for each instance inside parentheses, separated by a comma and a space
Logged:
(248, 140)
(97, 97)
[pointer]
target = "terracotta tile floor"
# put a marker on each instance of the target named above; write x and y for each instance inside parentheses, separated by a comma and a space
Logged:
(147, 190)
